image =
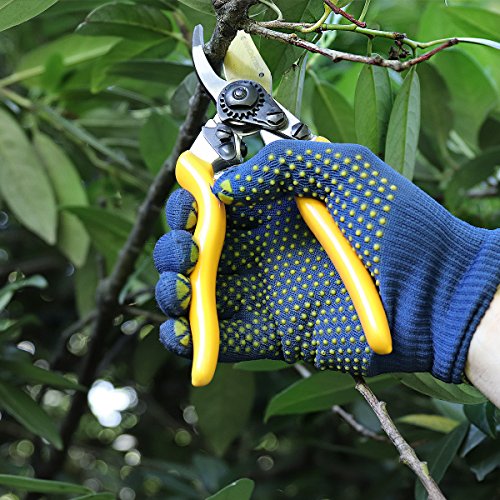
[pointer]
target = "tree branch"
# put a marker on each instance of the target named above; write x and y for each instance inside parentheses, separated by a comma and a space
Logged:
(230, 14)
(343, 414)
(261, 29)
(406, 452)
(344, 14)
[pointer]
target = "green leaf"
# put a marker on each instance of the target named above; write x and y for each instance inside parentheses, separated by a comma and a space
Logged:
(485, 459)
(483, 417)
(179, 104)
(404, 127)
(436, 423)
(31, 373)
(261, 365)
(470, 174)
(472, 90)
(427, 384)
(223, 407)
(14, 12)
(480, 41)
(71, 50)
(72, 238)
(476, 21)
(148, 358)
(200, 5)
(437, 115)
(319, 392)
(153, 70)
(157, 139)
(443, 453)
(241, 489)
(7, 291)
(21, 407)
(23, 181)
(124, 50)
(289, 92)
(41, 485)
(333, 115)
(372, 107)
(126, 20)
(108, 231)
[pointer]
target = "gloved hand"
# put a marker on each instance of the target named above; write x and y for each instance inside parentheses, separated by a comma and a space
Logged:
(279, 296)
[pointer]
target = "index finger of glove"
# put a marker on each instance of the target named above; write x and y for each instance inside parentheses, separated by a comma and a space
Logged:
(181, 210)
(311, 169)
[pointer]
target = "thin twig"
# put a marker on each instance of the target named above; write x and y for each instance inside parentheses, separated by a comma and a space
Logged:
(406, 452)
(149, 316)
(336, 55)
(343, 414)
(343, 13)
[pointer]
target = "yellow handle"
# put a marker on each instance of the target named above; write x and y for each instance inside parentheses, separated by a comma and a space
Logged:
(353, 273)
(197, 177)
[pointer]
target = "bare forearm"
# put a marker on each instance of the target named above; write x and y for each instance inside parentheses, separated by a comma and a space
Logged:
(483, 361)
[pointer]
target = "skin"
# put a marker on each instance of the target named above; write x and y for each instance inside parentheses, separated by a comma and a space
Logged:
(483, 367)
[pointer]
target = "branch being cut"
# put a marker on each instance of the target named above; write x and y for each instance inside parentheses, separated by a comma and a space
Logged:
(337, 55)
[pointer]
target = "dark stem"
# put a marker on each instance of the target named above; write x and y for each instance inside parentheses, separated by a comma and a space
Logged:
(343, 13)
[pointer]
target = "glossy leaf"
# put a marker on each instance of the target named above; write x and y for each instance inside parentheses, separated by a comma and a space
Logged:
(483, 417)
(14, 12)
(154, 70)
(157, 138)
(471, 173)
(126, 20)
(72, 238)
(436, 423)
(289, 92)
(223, 407)
(404, 126)
(23, 181)
(108, 231)
(443, 453)
(319, 392)
(21, 407)
(372, 107)
(241, 489)
(454, 393)
(204, 6)
(473, 93)
(71, 50)
(41, 485)
(31, 373)
(475, 20)
(333, 115)
(437, 117)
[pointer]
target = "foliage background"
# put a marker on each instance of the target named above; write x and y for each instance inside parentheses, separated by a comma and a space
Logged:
(90, 107)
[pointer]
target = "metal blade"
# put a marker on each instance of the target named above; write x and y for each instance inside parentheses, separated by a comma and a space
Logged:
(208, 77)
(244, 62)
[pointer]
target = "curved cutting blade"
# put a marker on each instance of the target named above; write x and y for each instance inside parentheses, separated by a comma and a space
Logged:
(208, 77)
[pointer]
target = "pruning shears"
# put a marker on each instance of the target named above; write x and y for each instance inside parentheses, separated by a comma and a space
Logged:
(245, 107)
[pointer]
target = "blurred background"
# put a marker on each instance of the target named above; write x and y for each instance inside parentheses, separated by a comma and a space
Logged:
(92, 95)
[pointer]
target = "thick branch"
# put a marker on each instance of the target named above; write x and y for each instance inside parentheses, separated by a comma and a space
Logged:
(336, 55)
(230, 14)
(406, 452)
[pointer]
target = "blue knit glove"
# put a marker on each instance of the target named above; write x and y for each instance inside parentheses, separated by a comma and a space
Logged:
(278, 294)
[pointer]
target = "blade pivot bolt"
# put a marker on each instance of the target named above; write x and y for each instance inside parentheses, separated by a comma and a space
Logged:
(301, 131)
(275, 117)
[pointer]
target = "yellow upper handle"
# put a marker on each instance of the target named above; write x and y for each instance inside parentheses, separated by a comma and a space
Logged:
(353, 273)
(197, 177)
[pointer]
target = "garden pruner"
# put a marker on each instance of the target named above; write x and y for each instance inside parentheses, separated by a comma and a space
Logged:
(245, 108)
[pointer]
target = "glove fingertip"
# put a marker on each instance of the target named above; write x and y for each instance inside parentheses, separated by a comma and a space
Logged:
(175, 251)
(181, 210)
(173, 293)
(175, 335)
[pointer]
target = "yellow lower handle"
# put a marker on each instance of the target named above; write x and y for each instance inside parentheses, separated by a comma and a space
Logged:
(353, 273)
(197, 177)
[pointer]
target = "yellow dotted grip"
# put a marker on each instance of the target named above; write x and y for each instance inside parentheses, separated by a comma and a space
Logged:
(356, 278)
(197, 177)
